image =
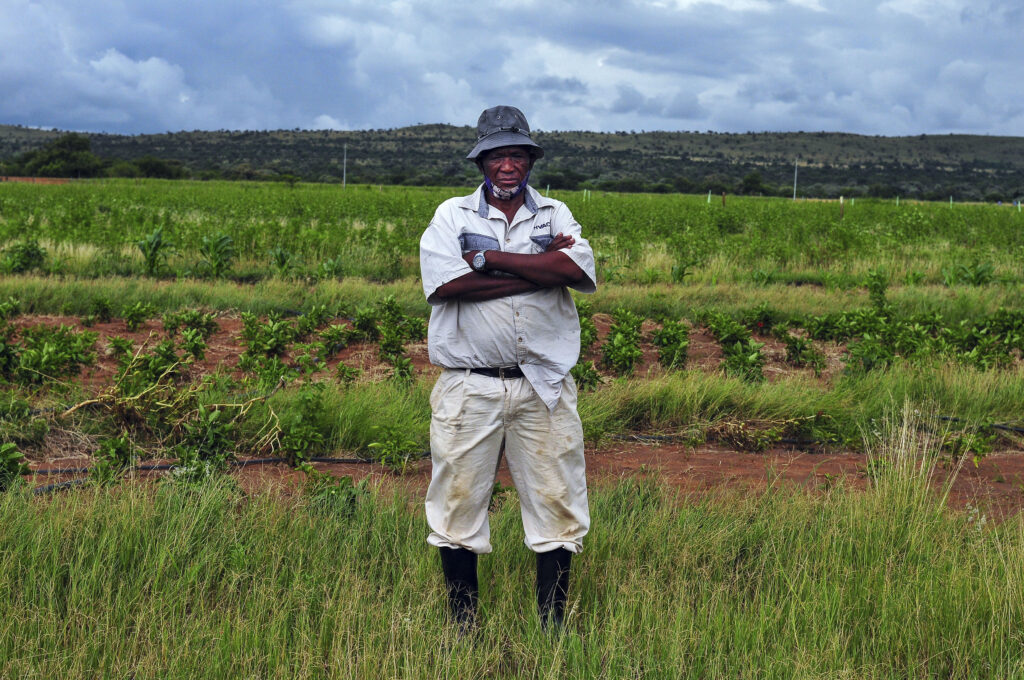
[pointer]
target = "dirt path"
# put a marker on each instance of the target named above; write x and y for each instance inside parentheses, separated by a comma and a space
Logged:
(996, 485)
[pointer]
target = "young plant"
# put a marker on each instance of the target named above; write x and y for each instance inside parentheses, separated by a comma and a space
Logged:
(206, 324)
(868, 354)
(621, 349)
(974, 274)
(53, 353)
(192, 342)
(12, 465)
(17, 423)
(336, 496)
(801, 352)
(347, 374)
(877, 283)
(588, 331)
(119, 347)
(300, 436)
(219, 253)
(586, 376)
(155, 249)
(114, 457)
(9, 309)
(394, 449)
(135, 315)
(282, 261)
(209, 436)
(23, 257)
(330, 268)
(744, 360)
(334, 338)
(307, 323)
(673, 342)
(270, 339)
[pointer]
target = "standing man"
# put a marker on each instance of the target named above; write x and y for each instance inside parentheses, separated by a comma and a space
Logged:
(497, 267)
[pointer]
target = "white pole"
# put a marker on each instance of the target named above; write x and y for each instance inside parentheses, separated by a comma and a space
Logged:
(795, 166)
(897, 201)
(548, 192)
(344, 167)
(950, 201)
(709, 196)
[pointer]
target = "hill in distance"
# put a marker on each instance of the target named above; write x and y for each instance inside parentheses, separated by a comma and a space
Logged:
(968, 167)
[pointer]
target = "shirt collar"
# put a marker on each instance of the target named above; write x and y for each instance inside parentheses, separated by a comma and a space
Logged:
(477, 201)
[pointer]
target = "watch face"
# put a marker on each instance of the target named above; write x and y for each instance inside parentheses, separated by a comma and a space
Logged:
(478, 261)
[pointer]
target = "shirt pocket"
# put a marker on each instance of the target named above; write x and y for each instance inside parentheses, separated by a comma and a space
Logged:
(541, 241)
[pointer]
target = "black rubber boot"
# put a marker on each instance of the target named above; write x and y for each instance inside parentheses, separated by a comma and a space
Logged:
(459, 567)
(552, 586)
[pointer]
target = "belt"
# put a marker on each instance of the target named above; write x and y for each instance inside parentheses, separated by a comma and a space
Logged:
(505, 373)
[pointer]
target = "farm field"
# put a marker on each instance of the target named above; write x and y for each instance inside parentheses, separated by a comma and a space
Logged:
(259, 350)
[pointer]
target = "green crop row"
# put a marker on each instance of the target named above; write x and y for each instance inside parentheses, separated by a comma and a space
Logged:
(320, 231)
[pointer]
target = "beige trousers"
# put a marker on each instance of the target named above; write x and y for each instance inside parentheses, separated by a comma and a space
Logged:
(471, 416)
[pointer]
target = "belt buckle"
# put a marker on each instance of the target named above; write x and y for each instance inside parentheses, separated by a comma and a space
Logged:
(501, 372)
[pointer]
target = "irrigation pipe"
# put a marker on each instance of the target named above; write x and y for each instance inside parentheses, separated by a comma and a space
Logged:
(234, 463)
(994, 426)
(168, 466)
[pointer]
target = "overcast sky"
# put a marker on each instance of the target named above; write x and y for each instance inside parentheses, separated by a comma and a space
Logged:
(892, 67)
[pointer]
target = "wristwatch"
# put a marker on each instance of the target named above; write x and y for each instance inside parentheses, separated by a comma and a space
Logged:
(480, 261)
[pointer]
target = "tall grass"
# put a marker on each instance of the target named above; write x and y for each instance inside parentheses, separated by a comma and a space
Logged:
(170, 583)
(682, 400)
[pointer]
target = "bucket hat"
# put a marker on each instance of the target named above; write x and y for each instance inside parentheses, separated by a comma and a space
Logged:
(502, 126)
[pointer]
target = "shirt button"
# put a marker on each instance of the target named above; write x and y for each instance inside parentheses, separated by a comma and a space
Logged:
(519, 339)
(508, 240)
(517, 313)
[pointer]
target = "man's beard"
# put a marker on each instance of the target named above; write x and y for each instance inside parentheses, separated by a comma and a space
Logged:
(505, 194)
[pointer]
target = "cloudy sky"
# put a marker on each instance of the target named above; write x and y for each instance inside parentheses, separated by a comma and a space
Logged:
(890, 67)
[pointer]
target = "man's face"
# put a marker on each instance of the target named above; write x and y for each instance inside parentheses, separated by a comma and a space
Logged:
(507, 166)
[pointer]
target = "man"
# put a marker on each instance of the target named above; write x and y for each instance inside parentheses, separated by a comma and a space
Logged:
(497, 266)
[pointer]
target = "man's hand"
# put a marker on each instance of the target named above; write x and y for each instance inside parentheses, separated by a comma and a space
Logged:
(560, 241)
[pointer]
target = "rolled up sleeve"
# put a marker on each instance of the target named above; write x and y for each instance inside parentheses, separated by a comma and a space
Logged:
(440, 256)
(581, 253)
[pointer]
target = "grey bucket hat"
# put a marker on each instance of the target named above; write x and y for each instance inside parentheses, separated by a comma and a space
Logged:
(502, 126)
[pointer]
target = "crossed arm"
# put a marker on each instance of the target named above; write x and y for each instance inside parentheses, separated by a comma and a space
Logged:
(549, 269)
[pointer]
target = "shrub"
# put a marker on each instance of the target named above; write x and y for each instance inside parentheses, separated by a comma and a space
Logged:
(24, 257)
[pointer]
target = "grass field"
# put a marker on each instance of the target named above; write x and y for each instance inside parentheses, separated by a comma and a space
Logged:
(166, 582)
(201, 323)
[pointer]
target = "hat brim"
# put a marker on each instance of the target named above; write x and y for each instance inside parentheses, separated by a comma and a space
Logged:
(503, 138)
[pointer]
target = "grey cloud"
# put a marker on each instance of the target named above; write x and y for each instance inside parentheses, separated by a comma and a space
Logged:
(858, 66)
(563, 85)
